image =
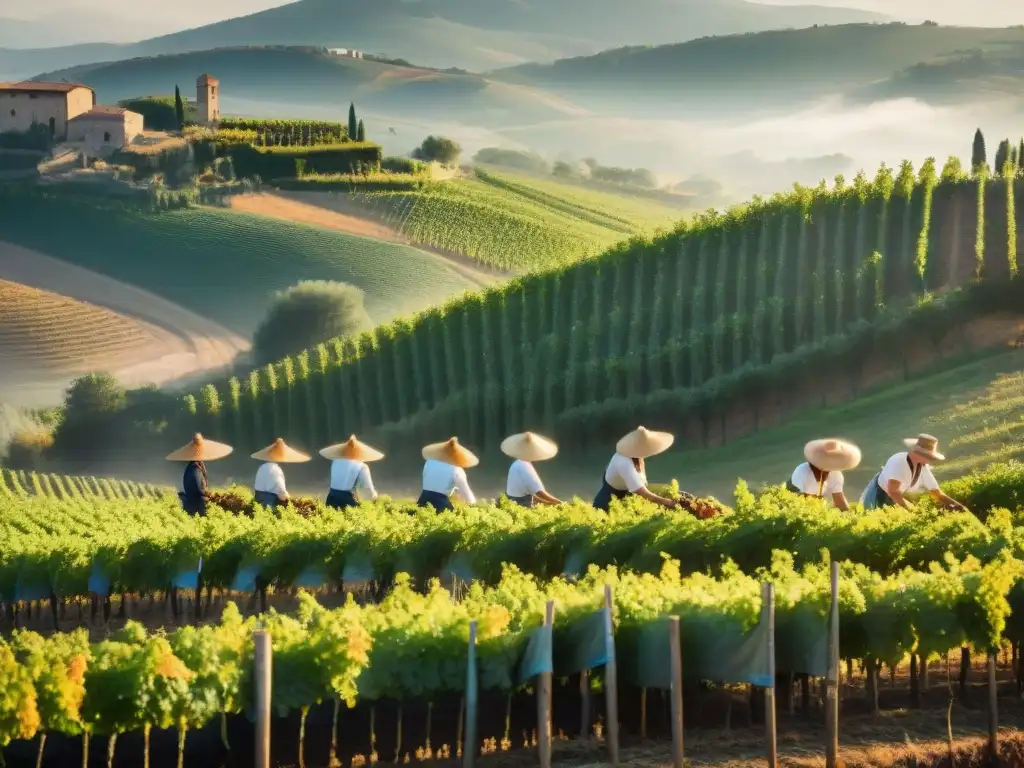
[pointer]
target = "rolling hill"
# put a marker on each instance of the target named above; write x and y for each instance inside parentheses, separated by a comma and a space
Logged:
(223, 265)
(462, 33)
(725, 327)
(313, 80)
(783, 66)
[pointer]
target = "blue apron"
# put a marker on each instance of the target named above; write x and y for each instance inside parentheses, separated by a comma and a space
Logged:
(439, 501)
(267, 499)
(876, 497)
(604, 497)
(341, 499)
(194, 484)
(522, 501)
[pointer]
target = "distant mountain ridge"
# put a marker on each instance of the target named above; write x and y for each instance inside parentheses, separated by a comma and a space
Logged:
(472, 34)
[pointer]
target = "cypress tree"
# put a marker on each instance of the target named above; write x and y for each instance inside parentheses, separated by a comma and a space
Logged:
(979, 156)
(179, 109)
(353, 126)
(1020, 154)
(1002, 156)
(360, 132)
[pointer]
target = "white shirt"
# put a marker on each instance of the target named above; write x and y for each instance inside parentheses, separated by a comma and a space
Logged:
(623, 476)
(446, 478)
(348, 475)
(523, 480)
(803, 478)
(897, 468)
(270, 479)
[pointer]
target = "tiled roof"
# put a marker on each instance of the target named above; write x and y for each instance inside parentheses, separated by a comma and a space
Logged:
(33, 86)
(103, 113)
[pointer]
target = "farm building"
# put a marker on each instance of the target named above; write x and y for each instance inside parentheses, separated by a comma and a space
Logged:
(348, 53)
(54, 104)
(102, 130)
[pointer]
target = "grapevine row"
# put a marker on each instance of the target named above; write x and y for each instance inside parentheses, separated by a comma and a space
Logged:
(51, 546)
(21, 484)
(652, 329)
(414, 646)
(288, 133)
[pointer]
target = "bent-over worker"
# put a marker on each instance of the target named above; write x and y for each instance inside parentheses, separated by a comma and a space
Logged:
(269, 486)
(524, 486)
(194, 482)
(823, 471)
(908, 472)
(626, 472)
(349, 472)
(444, 473)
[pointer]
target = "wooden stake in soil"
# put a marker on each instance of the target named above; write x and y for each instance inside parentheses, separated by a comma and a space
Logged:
(264, 665)
(611, 686)
(470, 748)
(585, 704)
(832, 676)
(544, 701)
(768, 596)
(675, 649)
(993, 710)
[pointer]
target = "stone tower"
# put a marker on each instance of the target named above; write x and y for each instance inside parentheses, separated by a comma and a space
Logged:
(208, 99)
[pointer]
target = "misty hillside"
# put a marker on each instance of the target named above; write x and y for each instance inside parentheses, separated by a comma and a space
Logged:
(471, 34)
(808, 62)
(308, 78)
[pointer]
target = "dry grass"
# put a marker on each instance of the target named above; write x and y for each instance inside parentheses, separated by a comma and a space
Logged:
(46, 331)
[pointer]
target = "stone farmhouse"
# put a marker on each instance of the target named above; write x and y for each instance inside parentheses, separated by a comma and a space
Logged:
(70, 112)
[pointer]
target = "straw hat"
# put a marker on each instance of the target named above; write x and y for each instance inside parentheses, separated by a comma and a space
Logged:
(280, 453)
(351, 449)
(642, 442)
(925, 445)
(200, 450)
(527, 446)
(450, 452)
(832, 454)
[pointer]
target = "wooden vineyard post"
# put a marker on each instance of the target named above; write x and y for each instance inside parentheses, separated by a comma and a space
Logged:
(585, 704)
(263, 663)
(611, 686)
(544, 700)
(993, 710)
(832, 676)
(469, 748)
(768, 597)
(675, 649)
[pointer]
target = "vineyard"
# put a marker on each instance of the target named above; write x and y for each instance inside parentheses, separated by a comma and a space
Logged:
(44, 332)
(670, 331)
(234, 262)
(513, 224)
(17, 483)
(287, 133)
(917, 584)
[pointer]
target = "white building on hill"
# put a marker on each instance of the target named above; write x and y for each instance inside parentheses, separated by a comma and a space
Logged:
(347, 53)
(102, 130)
(50, 104)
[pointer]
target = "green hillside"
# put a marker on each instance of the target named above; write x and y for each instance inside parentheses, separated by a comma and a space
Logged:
(767, 66)
(225, 265)
(310, 76)
(682, 331)
(473, 35)
(516, 223)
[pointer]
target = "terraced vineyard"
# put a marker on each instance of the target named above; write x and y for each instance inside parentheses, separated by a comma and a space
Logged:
(19, 484)
(515, 223)
(681, 329)
(222, 265)
(44, 331)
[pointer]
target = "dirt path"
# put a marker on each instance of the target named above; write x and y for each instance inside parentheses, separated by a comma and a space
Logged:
(330, 211)
(187, 343)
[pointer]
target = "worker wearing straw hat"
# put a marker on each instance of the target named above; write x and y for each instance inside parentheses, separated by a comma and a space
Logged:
(349, 472)
(908, 472)
(194, 483)
(823, 471)
(524, 485)
(444, 473)
(270, 489)
(626, 473)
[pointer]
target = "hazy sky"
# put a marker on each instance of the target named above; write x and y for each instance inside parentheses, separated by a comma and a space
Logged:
(154, 18)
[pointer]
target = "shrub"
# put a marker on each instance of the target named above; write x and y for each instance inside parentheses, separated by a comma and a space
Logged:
(279, 162)
(402, 165)
(305, 315)
(438, 149)
(512, 158)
